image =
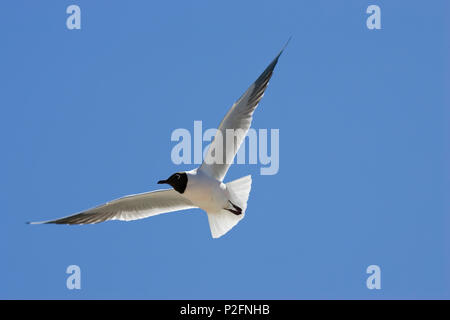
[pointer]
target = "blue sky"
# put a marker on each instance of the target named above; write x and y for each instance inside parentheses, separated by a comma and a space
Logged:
(363, 117)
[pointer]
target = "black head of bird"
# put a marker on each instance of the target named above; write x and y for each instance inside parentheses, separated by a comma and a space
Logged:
(178, 181)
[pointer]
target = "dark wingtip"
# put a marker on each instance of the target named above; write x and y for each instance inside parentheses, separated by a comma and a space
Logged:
(284, 47)
(287, 42)
(275, 61)
(268, 72)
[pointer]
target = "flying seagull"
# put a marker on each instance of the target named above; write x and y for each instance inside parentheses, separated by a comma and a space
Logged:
(203, 187)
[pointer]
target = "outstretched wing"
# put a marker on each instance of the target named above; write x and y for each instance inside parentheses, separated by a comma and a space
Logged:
(128, 208)
(237, 121)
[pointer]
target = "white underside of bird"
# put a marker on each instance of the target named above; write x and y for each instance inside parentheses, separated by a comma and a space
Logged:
(203, 187)
(214, 196)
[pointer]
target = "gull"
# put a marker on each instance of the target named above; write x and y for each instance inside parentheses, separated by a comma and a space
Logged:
(203, 187)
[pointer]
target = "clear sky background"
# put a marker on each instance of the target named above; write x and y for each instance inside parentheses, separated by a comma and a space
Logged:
(86, 117)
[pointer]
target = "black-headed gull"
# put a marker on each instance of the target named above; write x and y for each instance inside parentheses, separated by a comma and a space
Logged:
(224, 203)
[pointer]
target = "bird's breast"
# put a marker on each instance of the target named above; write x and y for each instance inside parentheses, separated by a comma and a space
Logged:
(206, 193)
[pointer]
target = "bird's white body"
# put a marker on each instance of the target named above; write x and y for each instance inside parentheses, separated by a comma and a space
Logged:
(206, 192)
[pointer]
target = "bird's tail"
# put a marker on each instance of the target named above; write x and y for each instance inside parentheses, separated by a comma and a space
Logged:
(221, 222)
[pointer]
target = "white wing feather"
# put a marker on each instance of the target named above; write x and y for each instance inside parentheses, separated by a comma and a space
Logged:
(238, 119)
(130, 207)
